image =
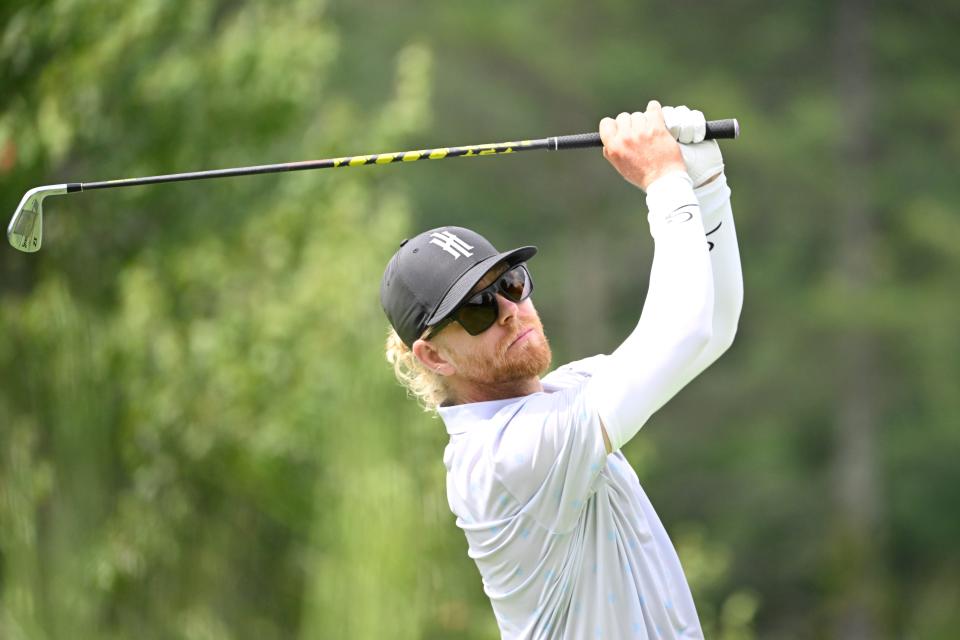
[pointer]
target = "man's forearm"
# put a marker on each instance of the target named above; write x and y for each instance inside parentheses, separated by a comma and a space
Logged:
(727, 275)
(675, 326)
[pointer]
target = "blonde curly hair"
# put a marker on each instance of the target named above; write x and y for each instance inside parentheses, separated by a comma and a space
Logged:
(425, 385)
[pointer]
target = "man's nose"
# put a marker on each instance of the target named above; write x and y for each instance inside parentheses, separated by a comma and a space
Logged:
(508, 309)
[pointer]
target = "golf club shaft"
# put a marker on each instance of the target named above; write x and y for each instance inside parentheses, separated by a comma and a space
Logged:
(716, 129)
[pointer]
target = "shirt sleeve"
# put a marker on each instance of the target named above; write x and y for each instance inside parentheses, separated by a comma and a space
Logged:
(549, 456)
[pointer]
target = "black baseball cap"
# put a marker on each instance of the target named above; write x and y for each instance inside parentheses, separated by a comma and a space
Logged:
(432, 273)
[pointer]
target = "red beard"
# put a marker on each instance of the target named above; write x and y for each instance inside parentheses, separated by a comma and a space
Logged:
(528, 358)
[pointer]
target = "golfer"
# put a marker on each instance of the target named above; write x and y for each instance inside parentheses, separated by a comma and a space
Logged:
(566, 541)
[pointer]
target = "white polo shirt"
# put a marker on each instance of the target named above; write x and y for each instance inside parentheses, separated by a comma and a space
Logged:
(566, 541)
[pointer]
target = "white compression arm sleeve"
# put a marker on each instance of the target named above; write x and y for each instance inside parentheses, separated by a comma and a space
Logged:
(717, 215)
(676, 323)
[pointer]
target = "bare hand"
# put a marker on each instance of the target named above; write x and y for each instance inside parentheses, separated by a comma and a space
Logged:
(639, 146)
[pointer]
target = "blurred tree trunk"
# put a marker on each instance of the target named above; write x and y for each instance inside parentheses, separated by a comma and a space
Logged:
(855, 566)
(586, 326)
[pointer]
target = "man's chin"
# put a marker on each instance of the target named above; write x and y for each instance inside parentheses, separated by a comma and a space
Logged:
(528, 358)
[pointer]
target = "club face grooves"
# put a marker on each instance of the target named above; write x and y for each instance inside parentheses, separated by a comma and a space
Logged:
(26, 229)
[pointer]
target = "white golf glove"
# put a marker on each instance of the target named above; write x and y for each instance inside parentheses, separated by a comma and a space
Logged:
(685, 125)
(702, 158)
(703, 161)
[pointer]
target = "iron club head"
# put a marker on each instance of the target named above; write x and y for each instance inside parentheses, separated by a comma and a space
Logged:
(25, 231)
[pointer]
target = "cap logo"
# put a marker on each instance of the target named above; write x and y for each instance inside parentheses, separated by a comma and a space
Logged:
(450, 243)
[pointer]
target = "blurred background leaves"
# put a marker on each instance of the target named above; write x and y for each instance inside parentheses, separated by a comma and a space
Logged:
(199, 437)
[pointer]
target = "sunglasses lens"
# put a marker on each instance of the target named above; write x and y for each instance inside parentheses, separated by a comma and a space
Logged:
(477, 315)
(515, 285)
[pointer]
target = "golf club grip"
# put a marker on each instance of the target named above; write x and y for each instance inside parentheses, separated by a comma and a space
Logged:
(716, 130)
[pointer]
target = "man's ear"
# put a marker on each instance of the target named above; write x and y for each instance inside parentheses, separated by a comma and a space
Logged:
(429, 354)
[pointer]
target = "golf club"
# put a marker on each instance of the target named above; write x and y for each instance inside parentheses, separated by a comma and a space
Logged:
(25, 231)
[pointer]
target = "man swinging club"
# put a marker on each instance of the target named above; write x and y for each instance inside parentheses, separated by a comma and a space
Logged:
(565, 539)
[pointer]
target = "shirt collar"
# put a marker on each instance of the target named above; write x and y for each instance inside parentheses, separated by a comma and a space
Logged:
(459, 418)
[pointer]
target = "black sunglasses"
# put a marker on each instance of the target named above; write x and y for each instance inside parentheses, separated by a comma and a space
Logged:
(481, 310)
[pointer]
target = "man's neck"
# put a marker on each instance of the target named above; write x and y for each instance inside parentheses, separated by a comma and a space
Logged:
(484, 392)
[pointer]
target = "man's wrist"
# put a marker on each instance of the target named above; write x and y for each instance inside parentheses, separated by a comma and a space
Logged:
(665, 171)
(669, 192)
(712, 197)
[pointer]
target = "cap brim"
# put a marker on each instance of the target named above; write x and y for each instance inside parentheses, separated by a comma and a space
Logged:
(462, 287)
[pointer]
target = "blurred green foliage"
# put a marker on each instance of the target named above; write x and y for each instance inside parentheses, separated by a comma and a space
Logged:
(199, 437)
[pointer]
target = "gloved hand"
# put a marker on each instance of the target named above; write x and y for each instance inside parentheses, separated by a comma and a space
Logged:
(685, 125)
(702, 158)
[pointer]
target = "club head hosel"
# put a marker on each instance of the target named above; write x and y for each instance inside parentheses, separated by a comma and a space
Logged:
(48, 190)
